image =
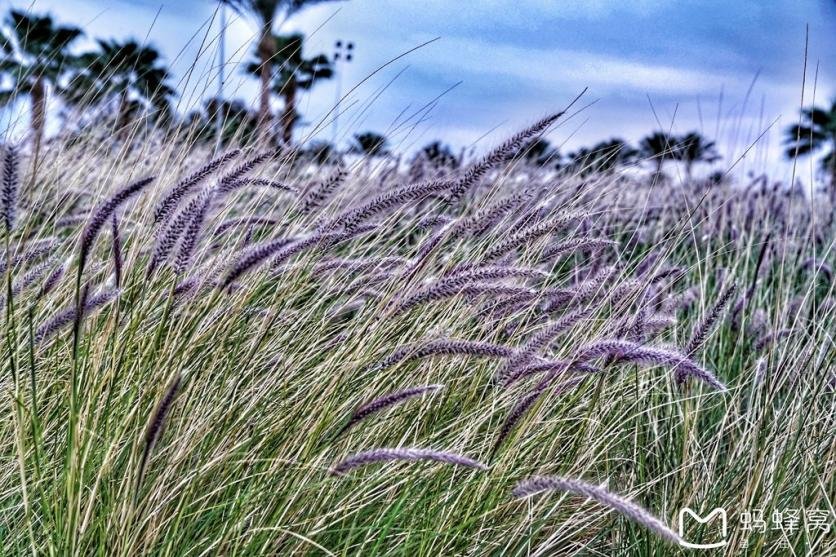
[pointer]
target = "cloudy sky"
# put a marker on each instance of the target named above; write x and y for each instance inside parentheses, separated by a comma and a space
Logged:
(729, 69)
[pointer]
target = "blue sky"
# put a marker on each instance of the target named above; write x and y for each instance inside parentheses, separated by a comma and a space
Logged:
(647, 63)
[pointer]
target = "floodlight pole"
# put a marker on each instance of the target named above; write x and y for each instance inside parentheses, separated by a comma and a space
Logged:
(219, 119)
(343, 53)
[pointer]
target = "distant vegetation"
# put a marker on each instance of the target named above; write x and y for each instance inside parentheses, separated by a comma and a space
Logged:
(123, 82)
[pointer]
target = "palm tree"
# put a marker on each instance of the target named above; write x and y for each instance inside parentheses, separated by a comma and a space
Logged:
(817, 130)
(290, 73)
(321, 152)
(604, 157)
(693, 148)
(614, 153)
(369, 144)
(238, 122)
(266, 12)
(128, 73)
(438, 155)
(538, 152)
(34, 55)
(658, 146)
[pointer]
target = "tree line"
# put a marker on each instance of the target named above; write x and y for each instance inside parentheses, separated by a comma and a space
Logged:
(126, 80)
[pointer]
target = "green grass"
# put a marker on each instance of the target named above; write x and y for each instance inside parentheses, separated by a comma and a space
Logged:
(269, 375)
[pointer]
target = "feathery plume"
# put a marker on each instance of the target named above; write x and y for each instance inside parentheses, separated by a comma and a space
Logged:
(540, 340)
(33, 275)
(497, 272)
(706, 325)
(11, 183)
(531, 233)
(654, 324)
(559, 298)
(600, 495)
(317, 196)
(386, 401)
(506, 306)
(239, 172)
(408, 454)
(102, 213)
(282, 249)
(116, 250)
(331, 239)
(354, 217)
(574, 244)
(528, 401)
(185, 286)
(67, 316)
(169, 235)
(486, 219)
(548, 365)
(70, 221)
(192, 234)
(432, 221)
(295, 248)
(358, 265)
(633, 352)
(449, 289)
(460, 278)
(38, 249)
(157, 423)
(52, 280)
(446, 347)
(500, 154)
(682, 300)
(186, 185)
(243, 221)
(675, 274)
(364, 283)
(254, 256)
(230, 186)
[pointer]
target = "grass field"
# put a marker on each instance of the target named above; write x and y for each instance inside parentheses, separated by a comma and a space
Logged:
(189, 349)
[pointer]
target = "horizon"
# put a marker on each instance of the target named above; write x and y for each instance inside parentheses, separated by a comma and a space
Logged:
(709, 69)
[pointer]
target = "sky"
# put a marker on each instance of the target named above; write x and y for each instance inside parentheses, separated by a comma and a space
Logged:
(732, 70)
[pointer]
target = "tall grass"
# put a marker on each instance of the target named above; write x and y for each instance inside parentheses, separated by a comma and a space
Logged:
(195, 410)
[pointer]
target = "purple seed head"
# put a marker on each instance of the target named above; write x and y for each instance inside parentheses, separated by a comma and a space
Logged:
(117, 251)
(624, 507)
(405, 454)
(186, 185)
(10, 186)
(386, 401)
(103, 212)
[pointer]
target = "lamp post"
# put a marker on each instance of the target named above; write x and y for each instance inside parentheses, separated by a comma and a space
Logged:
(343, 54)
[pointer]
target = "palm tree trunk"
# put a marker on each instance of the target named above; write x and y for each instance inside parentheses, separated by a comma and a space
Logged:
(833, 172)
(266, 51)
(833, 165)
(38, 96)
(289, 115)
(124, 117)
